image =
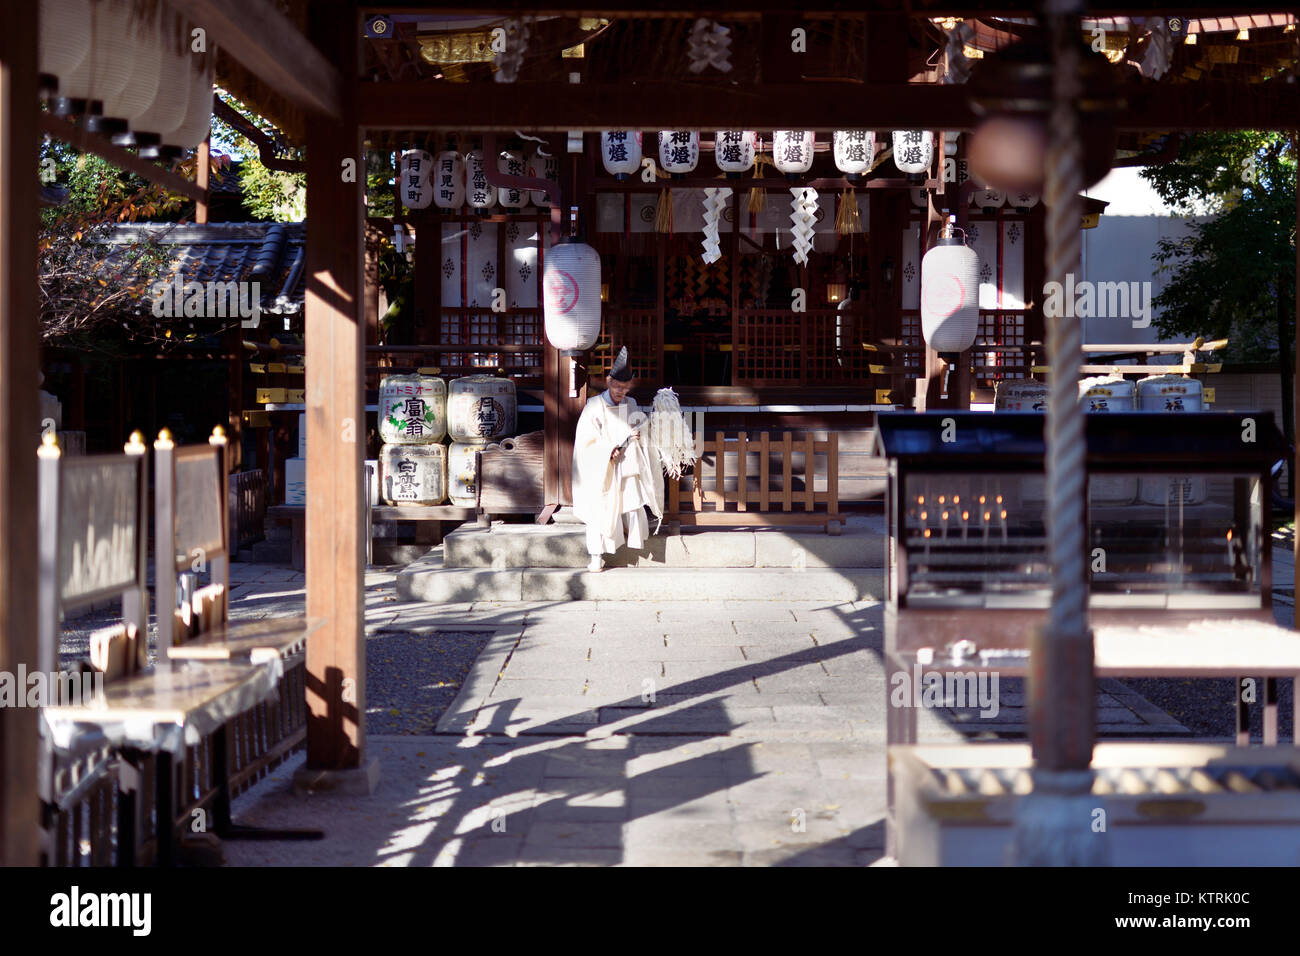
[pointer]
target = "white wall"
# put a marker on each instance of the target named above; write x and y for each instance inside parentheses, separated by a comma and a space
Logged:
(1120, 248)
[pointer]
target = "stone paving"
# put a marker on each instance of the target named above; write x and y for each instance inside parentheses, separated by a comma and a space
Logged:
(636, 733)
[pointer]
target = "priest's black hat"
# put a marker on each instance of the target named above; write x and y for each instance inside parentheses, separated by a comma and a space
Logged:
(621, 370)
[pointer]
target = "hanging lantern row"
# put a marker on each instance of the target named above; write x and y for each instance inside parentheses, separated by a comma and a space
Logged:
(735, 151)
(451, 180)
(127, 69)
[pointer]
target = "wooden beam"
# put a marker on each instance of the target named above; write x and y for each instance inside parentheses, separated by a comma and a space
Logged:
(336, 422)
(123, 159)
(742, 10)
(19, 430)
(268, 43)
(433, 104)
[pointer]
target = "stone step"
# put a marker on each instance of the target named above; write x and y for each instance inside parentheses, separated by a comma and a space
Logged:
(510, 546)
(429, 580)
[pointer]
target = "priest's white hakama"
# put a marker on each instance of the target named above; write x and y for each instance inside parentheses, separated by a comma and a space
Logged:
(610, 496)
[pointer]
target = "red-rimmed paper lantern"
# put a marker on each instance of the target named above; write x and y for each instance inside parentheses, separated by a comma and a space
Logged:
(950, 292)
(571, 296)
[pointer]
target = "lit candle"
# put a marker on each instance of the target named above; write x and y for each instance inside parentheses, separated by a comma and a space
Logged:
(927, 543)
(986, 526)
(1229, 547)
(944, 516)
(1004, 525)
(964, 516)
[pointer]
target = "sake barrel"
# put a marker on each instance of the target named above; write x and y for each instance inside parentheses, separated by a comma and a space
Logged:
(1020, 395)
(412, 409)
(462, 472)
(1171, 393)
(481, 408)
(1105, 394)
(413, 474)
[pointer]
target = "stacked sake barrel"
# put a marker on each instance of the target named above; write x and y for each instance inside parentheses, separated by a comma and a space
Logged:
(1023, 395)
(1171, 393)
(481, 409)
(412, 423)
(1105, 395)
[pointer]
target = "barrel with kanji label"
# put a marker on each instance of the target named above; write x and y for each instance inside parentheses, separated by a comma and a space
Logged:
(1171, 393)
(412, 409)
(462, 472)
(1109, 394)
(481, 408)
(413, 474)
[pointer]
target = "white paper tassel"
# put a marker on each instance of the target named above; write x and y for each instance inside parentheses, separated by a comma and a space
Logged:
(670, 434)
(709, 45)
(803, 219)
(714, 202)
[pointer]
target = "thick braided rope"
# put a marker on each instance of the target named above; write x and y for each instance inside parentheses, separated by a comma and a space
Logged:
(1065, 416)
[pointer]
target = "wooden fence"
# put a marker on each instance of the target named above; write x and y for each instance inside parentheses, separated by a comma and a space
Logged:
(759, 503)
(247, 508)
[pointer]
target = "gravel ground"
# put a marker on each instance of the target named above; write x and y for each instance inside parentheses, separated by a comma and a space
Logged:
(1205, 707)
(412, 676)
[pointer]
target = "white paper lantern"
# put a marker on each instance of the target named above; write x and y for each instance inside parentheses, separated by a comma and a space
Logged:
(104, 72)
(950, 285)
(413, 474)
(169, 106)
(142, 86)
(510, 162)
(792, 151)
(412, 409)
(478, 193)
(64, 38)
(620, 152)
(733, 150)
(679, 150)
(449, 180)
(571, 296)
(481, 408)
(1022, 200)
(414, 182)
(986, 197)
(913, 151)
(197, 124)
(855, 149)
(542, 165)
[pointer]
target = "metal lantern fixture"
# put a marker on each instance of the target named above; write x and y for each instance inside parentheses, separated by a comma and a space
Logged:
(620, 151)
(854, 149)
(679, 150)
(913, 152)
(478, 193)
(510, 162)
(950, 285)
(449, 180)
(733, 150)
(413, 178)
(64, 40)
(792, 151)
(542, 165)
(571, 292)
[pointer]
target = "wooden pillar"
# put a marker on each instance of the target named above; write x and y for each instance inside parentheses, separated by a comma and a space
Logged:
(1295, 400)
(235, 416)
(427, 259)
(19, 429)
(202, 165)
(336, 424)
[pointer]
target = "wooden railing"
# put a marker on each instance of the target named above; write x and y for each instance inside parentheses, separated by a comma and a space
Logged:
(247, 508)
(760, 504)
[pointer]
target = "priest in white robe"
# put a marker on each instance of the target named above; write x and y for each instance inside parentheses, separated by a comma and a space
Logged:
(616, 475)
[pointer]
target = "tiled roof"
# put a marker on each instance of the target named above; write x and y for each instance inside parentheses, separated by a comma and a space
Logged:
(271, 253)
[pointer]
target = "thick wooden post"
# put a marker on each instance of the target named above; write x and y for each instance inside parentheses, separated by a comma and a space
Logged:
(19, 429)
(336, 424)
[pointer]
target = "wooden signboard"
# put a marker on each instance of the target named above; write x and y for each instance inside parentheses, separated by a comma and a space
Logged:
(99, 528)
(198, 505)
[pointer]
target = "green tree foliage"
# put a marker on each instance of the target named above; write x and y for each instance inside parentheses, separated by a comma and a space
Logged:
(1233, 274)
